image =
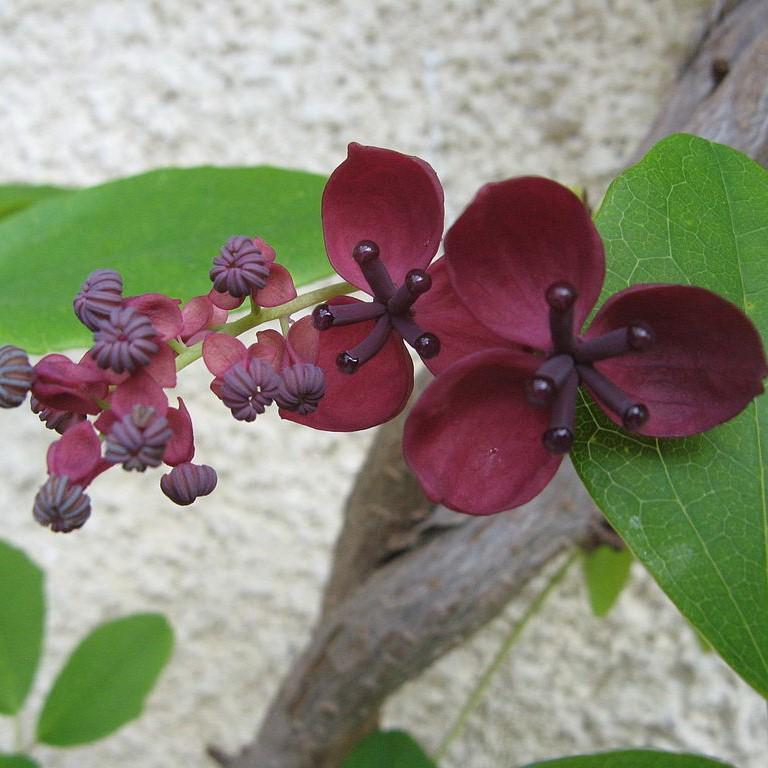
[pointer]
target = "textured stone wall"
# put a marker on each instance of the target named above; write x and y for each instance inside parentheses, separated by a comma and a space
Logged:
(483, 90)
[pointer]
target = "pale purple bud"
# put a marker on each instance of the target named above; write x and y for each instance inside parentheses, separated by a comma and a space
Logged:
(61, 506)
(240, 267)
(124, 342)
(139, 439)
(248, 389)
(16, 376)
(301, 389)
(186, 482)
(98, 297)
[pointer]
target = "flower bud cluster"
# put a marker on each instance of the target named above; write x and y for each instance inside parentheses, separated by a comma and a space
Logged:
(111, 409)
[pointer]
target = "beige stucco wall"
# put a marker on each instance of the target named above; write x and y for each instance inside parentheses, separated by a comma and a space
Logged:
(483, 90)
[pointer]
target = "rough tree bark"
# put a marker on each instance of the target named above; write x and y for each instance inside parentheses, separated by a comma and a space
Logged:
(409, 582)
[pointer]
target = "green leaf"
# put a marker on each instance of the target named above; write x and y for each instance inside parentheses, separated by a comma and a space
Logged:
(160, 230)
(632, 758)
(106, 679)
(606, 571)
(693, 510)
(22, 615)
(388, 749)
(17, 761)
(17, 197)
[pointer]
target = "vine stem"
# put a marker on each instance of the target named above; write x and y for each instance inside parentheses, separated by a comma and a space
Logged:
(259, 315)
(509, 641)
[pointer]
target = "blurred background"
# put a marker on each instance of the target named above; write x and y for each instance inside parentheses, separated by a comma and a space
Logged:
(91, 91)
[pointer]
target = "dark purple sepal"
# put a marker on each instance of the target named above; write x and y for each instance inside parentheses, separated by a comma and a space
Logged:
(240, 268)
(248, 388)
(16, 376)
(139, 439)
(301, 388)
(125, 342)
(98, 297)
(60, 506)
(187, 482)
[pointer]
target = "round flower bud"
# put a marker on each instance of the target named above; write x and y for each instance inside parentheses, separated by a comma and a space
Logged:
(61, 506)
(16, 376)
(61, 421)
(186, 482)
(249, 388)
(125, 341)
(139, 439)
(301, 389)
(98, 297)
(239, 268)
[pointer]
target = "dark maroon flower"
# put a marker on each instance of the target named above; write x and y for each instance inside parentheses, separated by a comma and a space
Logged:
(187, 482)
(661, 360)
(99, 295)
(16, 376)
(382, 221)
(139, 439)
(124, 342)
(61, 506)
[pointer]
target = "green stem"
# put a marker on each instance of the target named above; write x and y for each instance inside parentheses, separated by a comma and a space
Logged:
(258, 316)
(506, 646)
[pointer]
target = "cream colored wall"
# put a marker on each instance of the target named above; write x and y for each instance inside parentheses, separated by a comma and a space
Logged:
(483, 90)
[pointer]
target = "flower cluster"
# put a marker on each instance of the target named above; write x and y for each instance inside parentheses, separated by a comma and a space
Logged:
(111, 407)
(499, 319)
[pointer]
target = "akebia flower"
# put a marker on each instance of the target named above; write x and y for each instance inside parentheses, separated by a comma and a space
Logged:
(274, 369)
(382, 221)
(246, 267)
(660, 360)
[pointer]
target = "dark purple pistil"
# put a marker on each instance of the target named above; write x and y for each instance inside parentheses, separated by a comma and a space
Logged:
(391, 308)
(557, 379)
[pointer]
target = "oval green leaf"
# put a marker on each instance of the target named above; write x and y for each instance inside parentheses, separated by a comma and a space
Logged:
(388, 749)
(694, 511)
(22, 616)
(160, 230)
(632, 758)
(104, 683)
(606, 572)
(17, 197)
(17, 761)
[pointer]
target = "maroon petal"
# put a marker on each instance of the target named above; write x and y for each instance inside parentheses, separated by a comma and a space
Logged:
(376, 393)
(162, 311)
(704, 367)
(515, 239)
(181, 447)
(221, 351)
(441, 311)
(76, 455)
(473, 440)
(269, 347)
(196, 314)
(66, 386)
(224, 300)
(139, 389)
(162, 366)
(393, 199)
(304, 341)
(278, 290)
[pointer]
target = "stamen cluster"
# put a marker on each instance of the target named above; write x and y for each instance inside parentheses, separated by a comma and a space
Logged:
(571, 363)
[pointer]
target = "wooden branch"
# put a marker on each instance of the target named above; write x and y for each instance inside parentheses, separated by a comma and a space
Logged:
(408, 613)
(722, 93)
(408, 583)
